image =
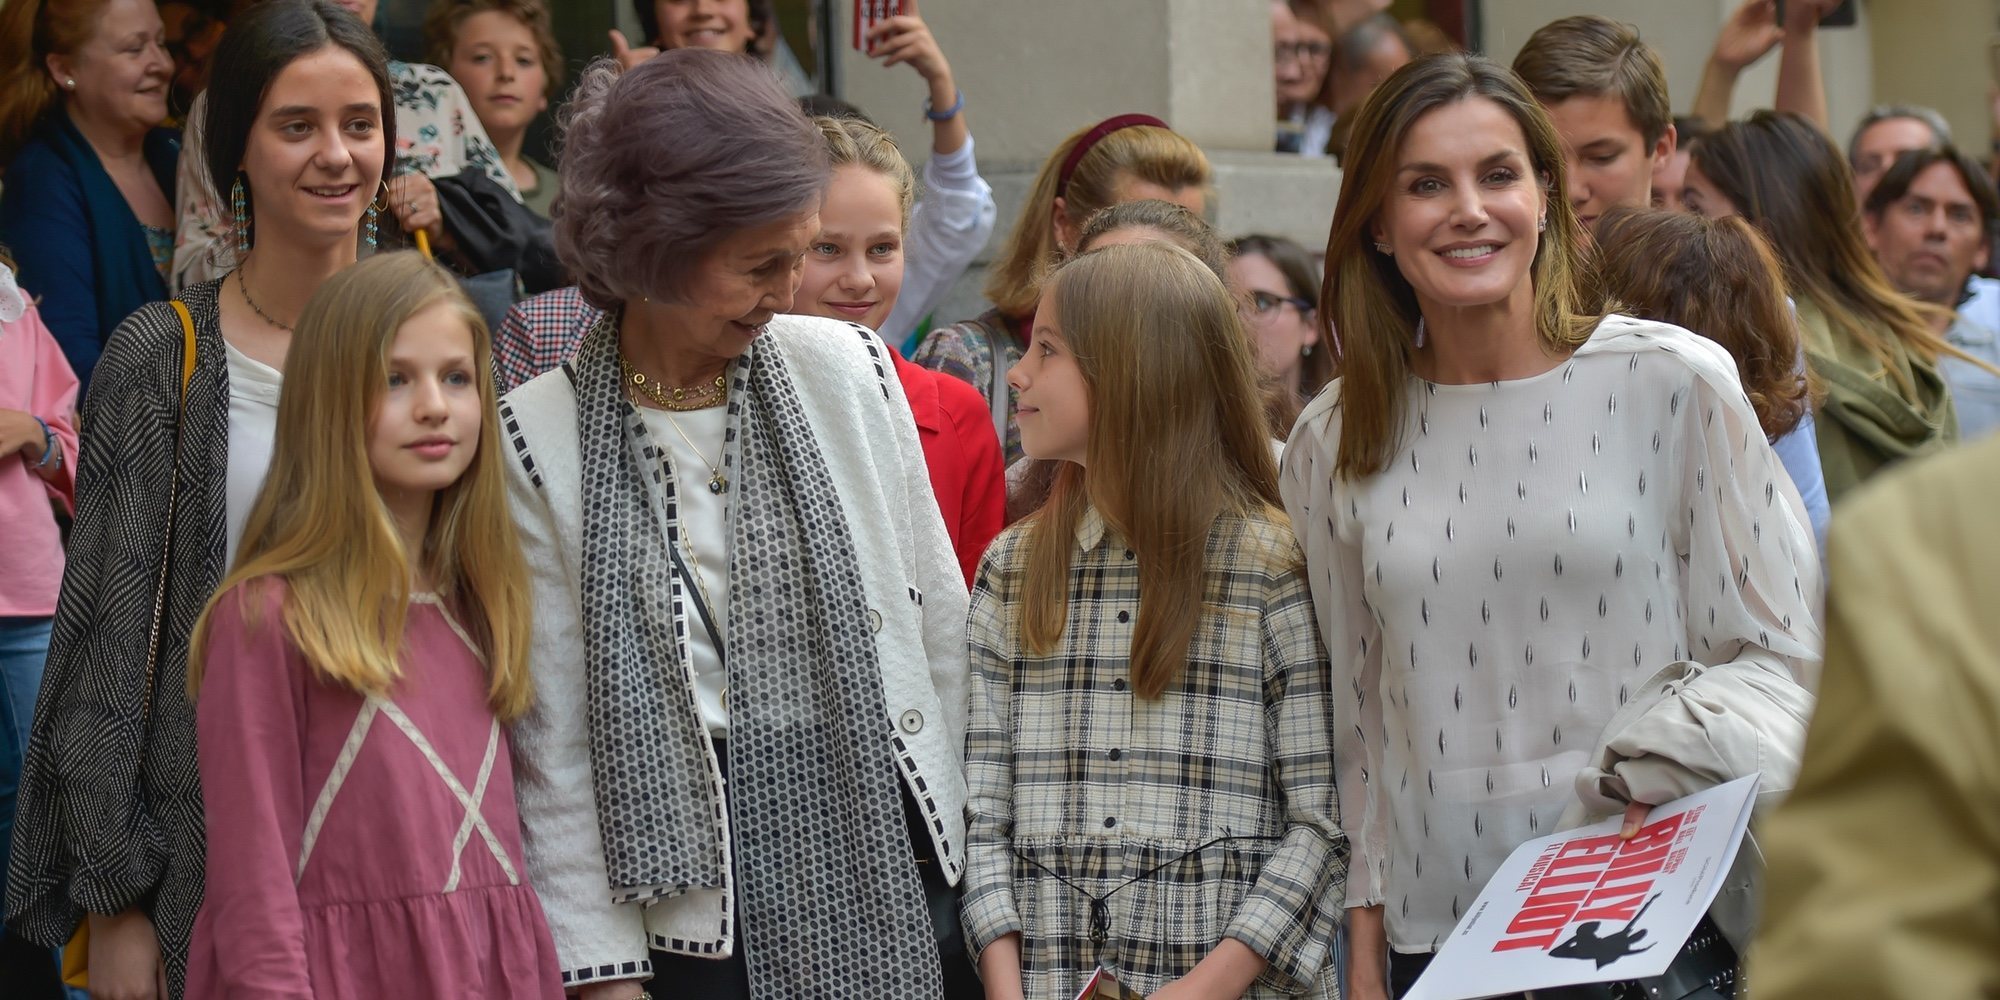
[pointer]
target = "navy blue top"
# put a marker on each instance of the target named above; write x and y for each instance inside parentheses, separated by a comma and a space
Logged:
(80, 249)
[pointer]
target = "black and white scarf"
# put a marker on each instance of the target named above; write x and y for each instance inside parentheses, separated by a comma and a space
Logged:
(832, 903)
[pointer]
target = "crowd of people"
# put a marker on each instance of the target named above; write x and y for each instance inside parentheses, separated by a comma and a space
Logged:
(434, 572)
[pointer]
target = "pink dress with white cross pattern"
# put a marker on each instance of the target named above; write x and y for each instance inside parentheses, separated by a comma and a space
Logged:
(358, 847)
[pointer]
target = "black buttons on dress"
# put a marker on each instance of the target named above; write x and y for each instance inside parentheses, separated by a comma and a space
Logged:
(1116, 753)
(1118, 685)
(1110, 821)
(1124, 616)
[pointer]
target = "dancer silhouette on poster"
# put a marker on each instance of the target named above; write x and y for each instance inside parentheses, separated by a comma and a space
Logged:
(1586, 945)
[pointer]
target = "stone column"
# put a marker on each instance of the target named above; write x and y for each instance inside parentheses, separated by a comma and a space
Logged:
(1033, 71)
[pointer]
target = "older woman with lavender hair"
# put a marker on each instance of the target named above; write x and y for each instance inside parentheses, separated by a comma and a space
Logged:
(737, 573)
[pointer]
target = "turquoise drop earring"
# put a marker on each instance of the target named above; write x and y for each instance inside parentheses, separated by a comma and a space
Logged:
(371, 226)
(239, 206)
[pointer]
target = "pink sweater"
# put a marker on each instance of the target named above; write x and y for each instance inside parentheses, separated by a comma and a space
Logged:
(35, 378)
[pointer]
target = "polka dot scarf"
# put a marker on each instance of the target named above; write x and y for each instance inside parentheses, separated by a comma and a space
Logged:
(812, 824)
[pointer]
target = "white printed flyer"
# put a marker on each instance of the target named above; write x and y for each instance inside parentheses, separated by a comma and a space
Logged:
(1586, 907)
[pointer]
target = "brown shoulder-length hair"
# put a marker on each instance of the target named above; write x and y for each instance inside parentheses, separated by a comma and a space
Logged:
(1177, 439)
(1145, 152)
(1717, 278)
(1786, 176)
(1365, 296)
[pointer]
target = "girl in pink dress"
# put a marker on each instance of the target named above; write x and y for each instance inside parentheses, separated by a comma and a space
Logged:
(356, 666)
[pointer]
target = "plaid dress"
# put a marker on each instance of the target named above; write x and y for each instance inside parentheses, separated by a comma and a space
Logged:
(1206, 813)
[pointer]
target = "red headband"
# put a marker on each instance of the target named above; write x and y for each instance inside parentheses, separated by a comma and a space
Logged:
(1092, 138)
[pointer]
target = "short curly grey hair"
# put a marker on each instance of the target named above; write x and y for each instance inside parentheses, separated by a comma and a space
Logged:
(663, 162)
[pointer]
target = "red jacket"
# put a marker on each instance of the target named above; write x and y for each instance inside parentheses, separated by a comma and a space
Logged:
(955, 427)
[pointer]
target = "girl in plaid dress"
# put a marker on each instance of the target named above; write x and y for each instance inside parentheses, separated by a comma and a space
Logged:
(1149, 755)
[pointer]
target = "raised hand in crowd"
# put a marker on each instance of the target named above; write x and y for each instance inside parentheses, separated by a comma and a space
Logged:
(627, 56)
(1751, 33)
(1747, 36)
(906, 40)
(1801, 89)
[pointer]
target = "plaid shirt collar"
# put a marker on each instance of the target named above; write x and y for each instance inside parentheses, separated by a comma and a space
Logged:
(1091, 531)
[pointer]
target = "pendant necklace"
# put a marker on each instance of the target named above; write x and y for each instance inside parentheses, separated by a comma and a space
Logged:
(670, 401)
(718, 483)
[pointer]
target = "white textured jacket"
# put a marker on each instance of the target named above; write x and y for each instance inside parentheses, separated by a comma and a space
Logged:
(868, 439)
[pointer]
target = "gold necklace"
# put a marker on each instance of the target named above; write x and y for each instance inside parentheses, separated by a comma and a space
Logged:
(718, 483)
(694, 397)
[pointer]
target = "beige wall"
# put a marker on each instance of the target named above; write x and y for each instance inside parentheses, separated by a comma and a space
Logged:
(1034, 71)
(1918, 60)
(1684, 30)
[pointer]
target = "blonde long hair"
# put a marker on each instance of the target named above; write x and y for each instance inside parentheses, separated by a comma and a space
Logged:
(1177, 439)
(320, 525)
(1142, 152)
(1365, 296)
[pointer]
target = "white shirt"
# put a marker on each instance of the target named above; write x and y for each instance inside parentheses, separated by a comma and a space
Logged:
(1975, 392)
(705, 526)
(253, 429)
(1982, 303)
(1535, 550)
(1314, 123)
(948, 227)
